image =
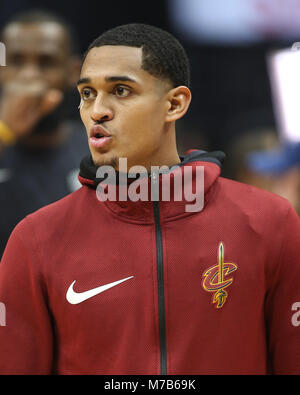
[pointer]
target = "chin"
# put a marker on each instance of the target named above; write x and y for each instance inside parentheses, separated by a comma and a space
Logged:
(105, 160)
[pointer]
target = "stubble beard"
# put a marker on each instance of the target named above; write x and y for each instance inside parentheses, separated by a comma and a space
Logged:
(112, 162)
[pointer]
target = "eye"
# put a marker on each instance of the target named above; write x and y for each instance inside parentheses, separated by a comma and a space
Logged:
(16, 59)
(87, 94)
(122, 91)
(47, 61)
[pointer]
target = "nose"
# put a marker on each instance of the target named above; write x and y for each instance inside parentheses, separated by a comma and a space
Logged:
(30, 72)
(101, 111)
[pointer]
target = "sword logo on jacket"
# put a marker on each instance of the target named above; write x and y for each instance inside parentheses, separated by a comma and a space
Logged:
(216, 278)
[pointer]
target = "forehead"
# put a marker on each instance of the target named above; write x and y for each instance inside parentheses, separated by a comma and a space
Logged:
(113, 60)
(35, 37)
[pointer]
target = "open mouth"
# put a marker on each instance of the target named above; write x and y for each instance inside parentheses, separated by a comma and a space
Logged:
(99, 136)
(98, 132)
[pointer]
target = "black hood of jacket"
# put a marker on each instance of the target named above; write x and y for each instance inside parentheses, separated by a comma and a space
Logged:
(88, 169)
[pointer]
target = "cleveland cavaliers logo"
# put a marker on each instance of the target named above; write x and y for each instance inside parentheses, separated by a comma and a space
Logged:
(217, 278)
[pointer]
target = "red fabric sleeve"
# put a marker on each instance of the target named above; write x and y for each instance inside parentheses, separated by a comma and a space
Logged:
(26, 340)
(283, 302)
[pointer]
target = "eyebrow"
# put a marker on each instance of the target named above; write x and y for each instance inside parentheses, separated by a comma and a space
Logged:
(83, 81)
(114, 78)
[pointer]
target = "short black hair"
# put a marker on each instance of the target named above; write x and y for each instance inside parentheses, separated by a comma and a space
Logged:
(163, 55)
(37, 15)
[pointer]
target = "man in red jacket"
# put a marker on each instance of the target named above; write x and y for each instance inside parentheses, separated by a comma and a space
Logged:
(98, 285)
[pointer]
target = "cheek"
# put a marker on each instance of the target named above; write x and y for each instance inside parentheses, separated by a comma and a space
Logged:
(83, 115)
(142, 131)
(147, 117)
(137, 129)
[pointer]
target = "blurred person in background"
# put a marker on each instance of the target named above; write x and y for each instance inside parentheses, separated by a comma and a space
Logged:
(236, 166)
(254, 157)
(39, 149)
(282, 165)
(227, 42)
(250, 131)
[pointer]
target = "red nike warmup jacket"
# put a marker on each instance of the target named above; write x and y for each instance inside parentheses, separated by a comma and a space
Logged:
(123, 287)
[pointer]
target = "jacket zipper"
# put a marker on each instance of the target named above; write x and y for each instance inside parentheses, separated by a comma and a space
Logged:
(161, 293)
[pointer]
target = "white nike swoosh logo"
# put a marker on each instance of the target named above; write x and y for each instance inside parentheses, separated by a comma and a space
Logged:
(75, 297)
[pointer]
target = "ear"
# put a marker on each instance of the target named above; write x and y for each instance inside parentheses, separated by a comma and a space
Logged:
(73, 70)
(178, 102)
